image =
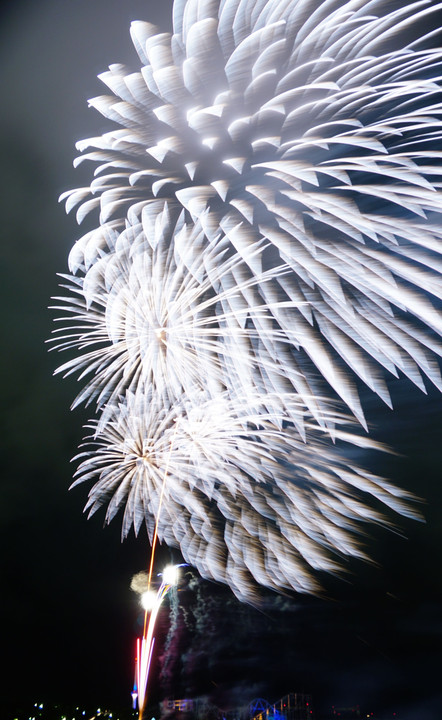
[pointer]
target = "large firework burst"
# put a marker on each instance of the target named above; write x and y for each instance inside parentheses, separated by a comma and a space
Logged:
(247, 501)
(155, 310)
(269, 230)
(315, 125)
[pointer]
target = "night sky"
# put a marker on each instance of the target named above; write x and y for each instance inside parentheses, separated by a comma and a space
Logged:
(69, 617)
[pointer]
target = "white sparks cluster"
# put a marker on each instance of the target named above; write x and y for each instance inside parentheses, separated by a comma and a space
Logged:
(269, 231)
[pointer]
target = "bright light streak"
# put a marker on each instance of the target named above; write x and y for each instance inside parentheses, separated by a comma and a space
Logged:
(145, 645)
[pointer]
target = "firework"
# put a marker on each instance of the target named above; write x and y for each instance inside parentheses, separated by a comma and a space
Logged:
(160, 310)
(269, 232)
(314, 125)
(170, 576)
(247, 501)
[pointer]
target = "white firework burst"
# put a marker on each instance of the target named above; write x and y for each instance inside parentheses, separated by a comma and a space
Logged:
(314, 125)
(156, 312)
(269, 232)
(247, 502)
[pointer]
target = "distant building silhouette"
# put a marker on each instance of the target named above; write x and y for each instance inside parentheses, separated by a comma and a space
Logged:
(294, 706)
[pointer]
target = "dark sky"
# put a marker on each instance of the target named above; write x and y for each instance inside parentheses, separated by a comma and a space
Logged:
(69, 619)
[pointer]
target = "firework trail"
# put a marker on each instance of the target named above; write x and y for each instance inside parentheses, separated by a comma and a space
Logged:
(269, 232)
(152, 602)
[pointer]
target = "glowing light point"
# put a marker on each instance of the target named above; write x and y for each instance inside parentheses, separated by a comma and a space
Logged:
(148, 599)
(171, 574)
(160, 333)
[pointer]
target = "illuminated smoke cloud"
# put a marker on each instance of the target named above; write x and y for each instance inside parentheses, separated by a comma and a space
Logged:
(140, 582)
